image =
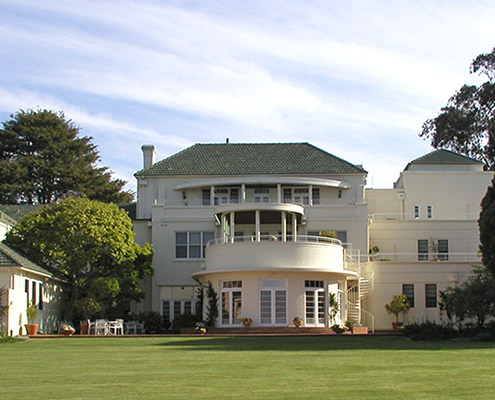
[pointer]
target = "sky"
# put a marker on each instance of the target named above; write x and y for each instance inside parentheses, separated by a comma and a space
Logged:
(356, 78)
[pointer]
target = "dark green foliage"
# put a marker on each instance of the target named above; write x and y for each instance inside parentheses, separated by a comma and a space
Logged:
(154, 323)
(211, 305)
(42, 160)
(474, 299)
(486, 224)
(430, 331)
(467, 123)
(186, 320)
(90, 246)
(3, 302)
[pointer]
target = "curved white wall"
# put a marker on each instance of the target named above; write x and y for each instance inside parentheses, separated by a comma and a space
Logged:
(275, 255)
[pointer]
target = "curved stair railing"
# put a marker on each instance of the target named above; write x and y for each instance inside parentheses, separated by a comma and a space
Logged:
(364, 287)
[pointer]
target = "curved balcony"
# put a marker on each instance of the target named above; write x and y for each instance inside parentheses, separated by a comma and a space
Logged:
(271, 253)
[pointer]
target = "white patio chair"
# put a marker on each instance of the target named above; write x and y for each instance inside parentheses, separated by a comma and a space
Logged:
(131, 328)
(116, 327)
(101, 327)
(91, 328)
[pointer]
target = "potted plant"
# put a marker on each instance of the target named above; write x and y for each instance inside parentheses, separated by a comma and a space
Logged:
(32, 315)
(399, 304)
(297, 322)
(339, 329)
(246, 322)
(67, 329)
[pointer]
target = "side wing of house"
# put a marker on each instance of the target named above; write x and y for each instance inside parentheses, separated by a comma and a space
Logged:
(426, 232)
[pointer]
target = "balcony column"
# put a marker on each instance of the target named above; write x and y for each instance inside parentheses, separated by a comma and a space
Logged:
(243, 193)
(257, 223)
(212, 195)
(232, 227)
(310, 192)
(223, 224)
(284, 226)
(294, 227)
(279, 193)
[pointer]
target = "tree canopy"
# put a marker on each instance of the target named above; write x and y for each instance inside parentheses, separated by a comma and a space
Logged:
(90, 246)
(467, 123)
(43, 160)
(486, 225)
(474, 298)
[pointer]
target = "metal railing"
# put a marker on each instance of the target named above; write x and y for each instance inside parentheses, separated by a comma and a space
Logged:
(274, 238)
(414, 217)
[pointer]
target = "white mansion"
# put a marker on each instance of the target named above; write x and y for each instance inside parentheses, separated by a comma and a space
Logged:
(248, 218)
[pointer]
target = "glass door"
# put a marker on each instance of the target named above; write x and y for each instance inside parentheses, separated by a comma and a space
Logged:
(273, 302)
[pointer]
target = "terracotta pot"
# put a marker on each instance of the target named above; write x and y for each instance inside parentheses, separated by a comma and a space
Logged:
(84, 329)
(32, 329)
(396, 326)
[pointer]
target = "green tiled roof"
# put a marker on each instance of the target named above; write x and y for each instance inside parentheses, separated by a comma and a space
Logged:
(17, 211)
(251, 159)
(10, 258)
(443, 156)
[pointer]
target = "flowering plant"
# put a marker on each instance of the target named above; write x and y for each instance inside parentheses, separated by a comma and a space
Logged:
(297, 321)
(339, 328)
(67, 328)
(246, 320)
(200, 327)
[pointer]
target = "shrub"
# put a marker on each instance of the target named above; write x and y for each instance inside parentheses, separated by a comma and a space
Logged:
(430, 331)
(153, 322)
(186, 320)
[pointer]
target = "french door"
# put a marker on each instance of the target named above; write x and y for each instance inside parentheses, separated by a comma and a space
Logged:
(231, 307)
(315, 306)
(273, 306)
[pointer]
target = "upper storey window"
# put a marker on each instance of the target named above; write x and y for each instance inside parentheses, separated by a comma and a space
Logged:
(261, 195)
(221, 196)
(301, 195)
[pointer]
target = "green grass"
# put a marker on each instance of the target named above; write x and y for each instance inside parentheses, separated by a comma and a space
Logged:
(333, 367)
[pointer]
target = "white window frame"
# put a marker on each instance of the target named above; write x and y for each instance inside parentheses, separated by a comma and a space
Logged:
(188, 244)
(182, 303)
(416, 212)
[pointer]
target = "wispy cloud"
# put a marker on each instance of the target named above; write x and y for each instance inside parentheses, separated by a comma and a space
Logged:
(361, 76)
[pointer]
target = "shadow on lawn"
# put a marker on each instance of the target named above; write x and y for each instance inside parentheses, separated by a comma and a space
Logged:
(317, 343)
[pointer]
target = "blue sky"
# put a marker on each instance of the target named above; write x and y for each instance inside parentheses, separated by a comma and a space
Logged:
(356, 78)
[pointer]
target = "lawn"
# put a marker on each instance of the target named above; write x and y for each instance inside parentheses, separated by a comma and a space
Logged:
(332, 367)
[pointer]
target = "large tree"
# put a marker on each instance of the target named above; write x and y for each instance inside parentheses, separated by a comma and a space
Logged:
(486, 225)
(43, 160)
(90, 246)
(467, 123)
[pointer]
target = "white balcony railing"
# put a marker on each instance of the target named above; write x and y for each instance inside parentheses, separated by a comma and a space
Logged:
(274, 238)
(424, 257)
(412, 217)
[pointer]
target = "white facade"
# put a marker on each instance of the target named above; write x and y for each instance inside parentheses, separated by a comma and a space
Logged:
(26, 282)
(255, 238)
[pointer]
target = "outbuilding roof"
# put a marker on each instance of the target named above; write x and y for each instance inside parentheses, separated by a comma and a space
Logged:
(443, 156)
(251, 159)
(10, 258)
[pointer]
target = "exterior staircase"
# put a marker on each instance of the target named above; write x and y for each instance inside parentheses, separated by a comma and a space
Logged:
(362, 287)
